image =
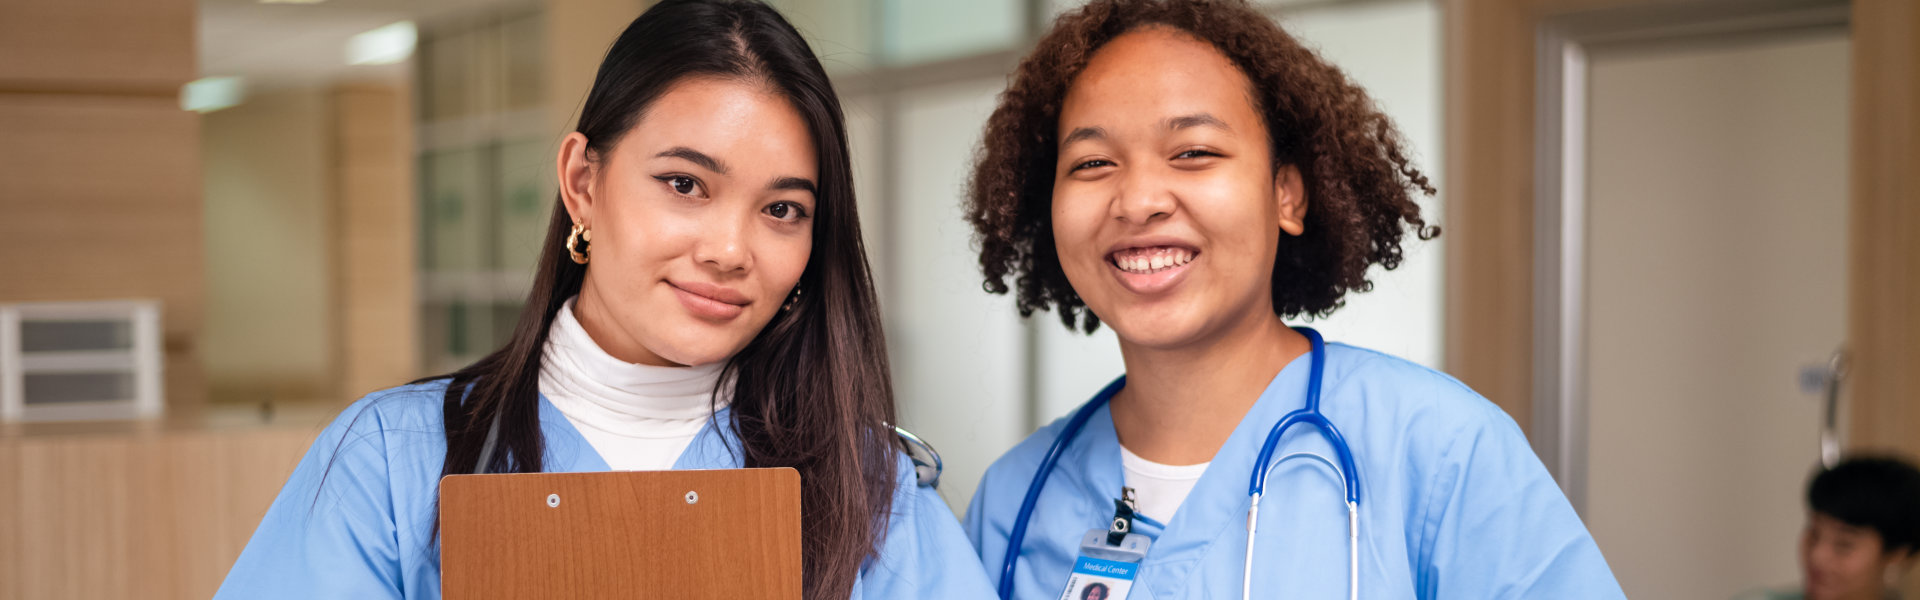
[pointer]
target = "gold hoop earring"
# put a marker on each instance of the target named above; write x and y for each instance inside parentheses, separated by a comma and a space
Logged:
(792, 299)
(579, 234)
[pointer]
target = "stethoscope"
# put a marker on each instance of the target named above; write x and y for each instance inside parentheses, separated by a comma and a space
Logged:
(1310, 415)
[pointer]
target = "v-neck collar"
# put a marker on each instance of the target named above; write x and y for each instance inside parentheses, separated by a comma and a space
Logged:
(1218, 500)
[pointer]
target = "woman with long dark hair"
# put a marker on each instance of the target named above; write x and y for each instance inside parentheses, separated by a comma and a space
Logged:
(702, 301)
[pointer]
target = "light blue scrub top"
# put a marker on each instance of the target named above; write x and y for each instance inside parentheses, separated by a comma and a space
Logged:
(1453, 502)
(355, 519)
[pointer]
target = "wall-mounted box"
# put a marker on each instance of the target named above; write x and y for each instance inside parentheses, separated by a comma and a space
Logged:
(80, 361)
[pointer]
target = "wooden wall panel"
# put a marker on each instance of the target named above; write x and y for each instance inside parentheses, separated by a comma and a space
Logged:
(11, 551)
(1884, 328)
(98, 46)
(138, 515)
(181, 550)
(578, 35)
(1885, 331)
(377, 260)
(1489, 213)
(102, 201)
(74, 516)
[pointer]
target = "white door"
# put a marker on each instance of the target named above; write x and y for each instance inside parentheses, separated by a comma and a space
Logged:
(1716, 269)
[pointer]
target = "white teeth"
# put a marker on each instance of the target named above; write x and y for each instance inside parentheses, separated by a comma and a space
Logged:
(1152, 261)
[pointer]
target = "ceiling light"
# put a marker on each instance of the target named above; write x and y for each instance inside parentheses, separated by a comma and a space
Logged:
(212, 93)
(383, 46)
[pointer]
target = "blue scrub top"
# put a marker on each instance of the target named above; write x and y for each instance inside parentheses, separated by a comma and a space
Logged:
(355, 519)
(1453, 502)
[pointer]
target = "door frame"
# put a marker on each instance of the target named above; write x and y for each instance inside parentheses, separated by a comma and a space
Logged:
(1561, 71)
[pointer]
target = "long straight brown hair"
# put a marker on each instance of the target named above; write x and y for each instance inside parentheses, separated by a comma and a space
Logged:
(811, 391)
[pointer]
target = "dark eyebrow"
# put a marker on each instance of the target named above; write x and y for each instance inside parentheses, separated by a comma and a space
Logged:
(1196, 120)
(794, 183)
(695, 157)
(1083, 133)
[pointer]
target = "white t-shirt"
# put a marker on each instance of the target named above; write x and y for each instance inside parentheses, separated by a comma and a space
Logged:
(638, 417)
(1158, 489)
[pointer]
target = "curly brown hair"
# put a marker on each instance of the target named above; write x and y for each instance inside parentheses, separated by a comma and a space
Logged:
(1358, 179)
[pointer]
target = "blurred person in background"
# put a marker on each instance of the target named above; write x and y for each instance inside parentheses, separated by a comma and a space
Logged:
(702, 301)
(1862, 532)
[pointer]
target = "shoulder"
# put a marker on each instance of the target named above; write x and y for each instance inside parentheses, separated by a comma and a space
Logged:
(1381, 372)
(396, 419)
(924, 553)
(1422, 396)
(414, 406)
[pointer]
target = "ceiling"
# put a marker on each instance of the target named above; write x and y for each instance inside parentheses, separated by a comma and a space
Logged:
(301, 45)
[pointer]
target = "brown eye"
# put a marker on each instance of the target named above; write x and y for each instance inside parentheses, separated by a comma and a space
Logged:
(785, 211)
(1091, 164)
(681, 184)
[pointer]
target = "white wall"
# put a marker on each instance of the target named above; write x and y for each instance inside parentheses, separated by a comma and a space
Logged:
(1393, 50)
(958, 352)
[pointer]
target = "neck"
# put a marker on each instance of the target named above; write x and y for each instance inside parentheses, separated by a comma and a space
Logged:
(606, 332)
(1181, 403)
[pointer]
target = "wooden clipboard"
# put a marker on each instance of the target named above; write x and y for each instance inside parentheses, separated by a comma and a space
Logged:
(732, 533)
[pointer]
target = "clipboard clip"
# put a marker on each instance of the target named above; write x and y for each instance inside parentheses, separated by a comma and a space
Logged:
(926, 460)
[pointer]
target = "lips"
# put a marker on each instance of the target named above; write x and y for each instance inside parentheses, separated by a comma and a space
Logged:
(709, 301)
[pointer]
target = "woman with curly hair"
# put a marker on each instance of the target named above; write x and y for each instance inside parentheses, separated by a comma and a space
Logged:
(1187, 173)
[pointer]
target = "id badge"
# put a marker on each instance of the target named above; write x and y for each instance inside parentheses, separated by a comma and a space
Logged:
(1105, 572)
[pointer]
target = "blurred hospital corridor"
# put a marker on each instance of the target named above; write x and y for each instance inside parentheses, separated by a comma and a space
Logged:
(1679, 248)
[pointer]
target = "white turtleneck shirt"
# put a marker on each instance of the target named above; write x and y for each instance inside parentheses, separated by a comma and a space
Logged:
(638, 417)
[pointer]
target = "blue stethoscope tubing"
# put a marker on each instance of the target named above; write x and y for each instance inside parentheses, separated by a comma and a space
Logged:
(1256, 487)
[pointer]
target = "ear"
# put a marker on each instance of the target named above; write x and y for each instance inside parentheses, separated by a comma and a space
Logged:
(1290, 196)
(576, 175)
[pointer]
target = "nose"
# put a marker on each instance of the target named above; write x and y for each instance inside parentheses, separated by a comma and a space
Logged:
(723, 245)
(1144, 198)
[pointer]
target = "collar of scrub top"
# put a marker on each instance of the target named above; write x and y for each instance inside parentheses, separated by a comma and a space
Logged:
(1309, 414)
(927, 465)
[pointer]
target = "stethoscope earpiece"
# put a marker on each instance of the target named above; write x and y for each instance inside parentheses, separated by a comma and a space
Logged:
(926, 470)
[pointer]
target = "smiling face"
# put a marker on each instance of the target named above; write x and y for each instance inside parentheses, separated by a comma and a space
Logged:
(1167, 210)
(701, 218)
